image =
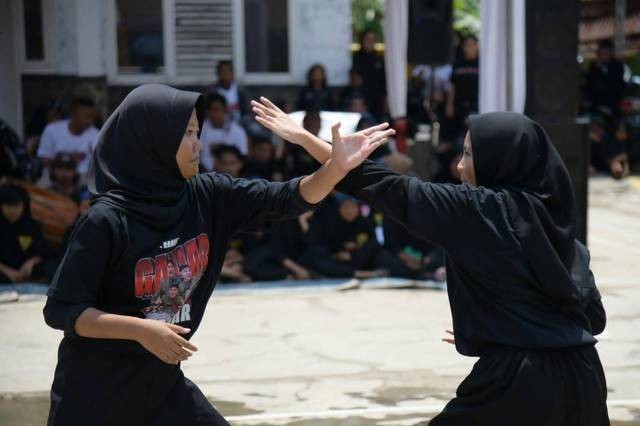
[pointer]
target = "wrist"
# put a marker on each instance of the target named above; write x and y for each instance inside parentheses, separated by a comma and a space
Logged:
(139, 329)
(336, 172)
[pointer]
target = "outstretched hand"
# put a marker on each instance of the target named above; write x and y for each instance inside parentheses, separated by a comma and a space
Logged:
(350, 151)
(276, 120)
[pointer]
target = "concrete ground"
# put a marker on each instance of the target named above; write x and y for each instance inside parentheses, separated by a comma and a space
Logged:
(359, 357)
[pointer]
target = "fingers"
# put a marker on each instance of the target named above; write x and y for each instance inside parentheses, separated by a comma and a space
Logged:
(374, 129)
(178, 329)
(450, 341)
(335, 132)
(449, 332)
(186, 344)
(268, 103)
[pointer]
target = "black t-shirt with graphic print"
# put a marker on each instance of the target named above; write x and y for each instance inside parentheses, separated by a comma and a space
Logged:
(119, 265)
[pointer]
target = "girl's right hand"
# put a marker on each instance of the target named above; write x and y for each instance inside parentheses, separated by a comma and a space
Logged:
(164, 341)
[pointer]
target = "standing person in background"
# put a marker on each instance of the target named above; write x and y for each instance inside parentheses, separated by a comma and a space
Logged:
(370, 65)
(76, 136)
(237, 101)
(315, 96)
(219, 129)
(463, 94)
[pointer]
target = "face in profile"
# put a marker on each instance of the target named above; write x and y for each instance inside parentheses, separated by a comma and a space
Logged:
(188, 155)
(465, 165)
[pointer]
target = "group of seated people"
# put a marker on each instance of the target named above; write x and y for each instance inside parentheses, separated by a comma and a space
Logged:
(341, 239)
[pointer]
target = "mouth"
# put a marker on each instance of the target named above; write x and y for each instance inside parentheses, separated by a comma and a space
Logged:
(196, 160)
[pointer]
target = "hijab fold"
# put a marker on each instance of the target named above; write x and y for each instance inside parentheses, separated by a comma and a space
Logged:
(134, 166)
(513, 154)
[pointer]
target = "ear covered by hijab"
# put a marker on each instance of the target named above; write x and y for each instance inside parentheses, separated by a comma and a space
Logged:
(134, 165)
(513, 153)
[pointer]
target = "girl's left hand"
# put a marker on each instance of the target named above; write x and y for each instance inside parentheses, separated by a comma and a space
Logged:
(276, 120)
(350, 151)
(451, 340)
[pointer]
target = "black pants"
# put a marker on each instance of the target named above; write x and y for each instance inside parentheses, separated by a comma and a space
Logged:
(564, 387)
(101, 388)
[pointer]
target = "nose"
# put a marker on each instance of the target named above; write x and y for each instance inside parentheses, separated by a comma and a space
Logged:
(197, 146)
(460, 166)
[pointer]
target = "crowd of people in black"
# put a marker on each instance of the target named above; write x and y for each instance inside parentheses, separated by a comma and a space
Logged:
(343, 237)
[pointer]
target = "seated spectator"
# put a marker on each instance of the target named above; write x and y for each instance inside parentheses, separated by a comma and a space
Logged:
(218, 129)
(65, 178)
(315, 96)
(23, 250)
(411, 257)
(289, 245)
(297, 161)
(345, 245)
(232, 267)
(354, 89)
(228, 159)
(76, 136)
(259, 263)
(237, 103)
(608, 148)
(260, 162)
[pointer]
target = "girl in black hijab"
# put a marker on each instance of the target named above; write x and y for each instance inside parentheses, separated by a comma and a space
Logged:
(521, 293)
(142, 262)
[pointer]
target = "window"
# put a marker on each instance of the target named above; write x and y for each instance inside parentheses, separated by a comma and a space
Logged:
(140, 41)
(33, 30)
(266, 36)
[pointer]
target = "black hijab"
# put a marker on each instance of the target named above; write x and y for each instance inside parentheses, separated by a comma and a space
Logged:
(513, 153)
(134, 166)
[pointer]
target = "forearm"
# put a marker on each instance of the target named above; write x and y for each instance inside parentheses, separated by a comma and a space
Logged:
(319, 149)
(98, 324)
(316, 187)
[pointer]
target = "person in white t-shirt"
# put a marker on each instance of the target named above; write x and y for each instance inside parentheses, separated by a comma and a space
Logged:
(75, 136)
(237, 102)
(219, 129)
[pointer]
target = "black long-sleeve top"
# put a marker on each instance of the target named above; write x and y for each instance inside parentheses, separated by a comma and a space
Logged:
(493, 292)
(119, 265)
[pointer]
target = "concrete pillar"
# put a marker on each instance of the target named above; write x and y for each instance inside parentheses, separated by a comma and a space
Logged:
(10, 96)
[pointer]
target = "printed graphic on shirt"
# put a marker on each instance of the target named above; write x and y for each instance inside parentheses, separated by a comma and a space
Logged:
(169, 279)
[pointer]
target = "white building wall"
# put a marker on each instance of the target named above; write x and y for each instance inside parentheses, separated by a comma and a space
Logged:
(90, 23)
(321, 34)
(10, 99)
(66, 37)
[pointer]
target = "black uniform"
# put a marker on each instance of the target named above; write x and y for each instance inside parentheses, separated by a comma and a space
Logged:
(145, 217)
(521, 293)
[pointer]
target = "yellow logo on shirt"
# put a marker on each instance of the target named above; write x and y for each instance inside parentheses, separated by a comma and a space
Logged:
(362, 238)
(25, 241)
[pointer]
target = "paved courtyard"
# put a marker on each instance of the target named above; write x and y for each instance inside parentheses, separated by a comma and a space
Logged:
(359, 357)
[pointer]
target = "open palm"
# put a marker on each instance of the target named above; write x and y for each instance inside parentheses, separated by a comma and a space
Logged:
(350, 151)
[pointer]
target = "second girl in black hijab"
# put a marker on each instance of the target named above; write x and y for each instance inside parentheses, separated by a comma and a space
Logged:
(142, 262)
(521, 293)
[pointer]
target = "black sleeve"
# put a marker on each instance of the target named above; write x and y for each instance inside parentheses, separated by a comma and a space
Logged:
(253, 203)
(436, 212)
(76, 284)
(595, 310)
